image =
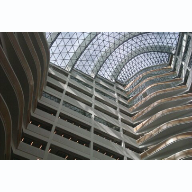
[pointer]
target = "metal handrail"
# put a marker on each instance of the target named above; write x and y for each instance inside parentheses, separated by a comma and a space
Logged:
(155, 94)
(162, 128)
(150, 107)
(180, 155)
(160, 114)
(143, 72)
(165, 144)
(149, 79)
(139, 96)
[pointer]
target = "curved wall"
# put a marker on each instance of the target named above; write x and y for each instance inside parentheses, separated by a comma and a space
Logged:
(55, 114)
(24, 74)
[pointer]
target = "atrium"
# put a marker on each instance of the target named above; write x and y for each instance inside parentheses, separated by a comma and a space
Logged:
(110, 55)
(96, 95)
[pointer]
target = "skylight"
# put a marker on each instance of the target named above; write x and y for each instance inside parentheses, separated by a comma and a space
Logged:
(115, 56)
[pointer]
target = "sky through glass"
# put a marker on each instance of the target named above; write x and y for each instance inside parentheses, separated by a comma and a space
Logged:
(116, 56)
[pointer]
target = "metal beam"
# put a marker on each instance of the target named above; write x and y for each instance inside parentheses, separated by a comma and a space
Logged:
(77, 54)
(52, 38)
(111, 49)
(142, 50)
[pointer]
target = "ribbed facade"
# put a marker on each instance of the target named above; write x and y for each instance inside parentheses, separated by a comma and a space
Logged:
(24, 59)
(50, 113)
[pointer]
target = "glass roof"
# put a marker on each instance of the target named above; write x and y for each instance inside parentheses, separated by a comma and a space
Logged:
(116, 56)
(140, 62)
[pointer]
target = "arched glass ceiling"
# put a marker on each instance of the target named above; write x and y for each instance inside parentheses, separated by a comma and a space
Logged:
(65, 45)
(48, 35)
(140, 62)
(128, 48)
(97, 47)
(110, 54)
(100, 49)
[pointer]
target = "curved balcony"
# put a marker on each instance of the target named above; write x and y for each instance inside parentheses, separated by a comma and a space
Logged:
(161, 105)
(151, 80)
(41, 40)
(169, 147)
(15, 103)
(158, 95)
(153, 88)
(21, 68)
(144, 73)
(163, 116)
(42, 56)
(166, 130)
(5, 130)
(33, 61)
(182, 155)
(24, 73)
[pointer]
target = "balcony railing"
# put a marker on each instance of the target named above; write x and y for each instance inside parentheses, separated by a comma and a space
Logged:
(151, 80)
(152, 88)
(163, 127)
(164, 144)
(180, 155)
(160, 114)
(133, 81)
(157, 93)
(147, 109)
